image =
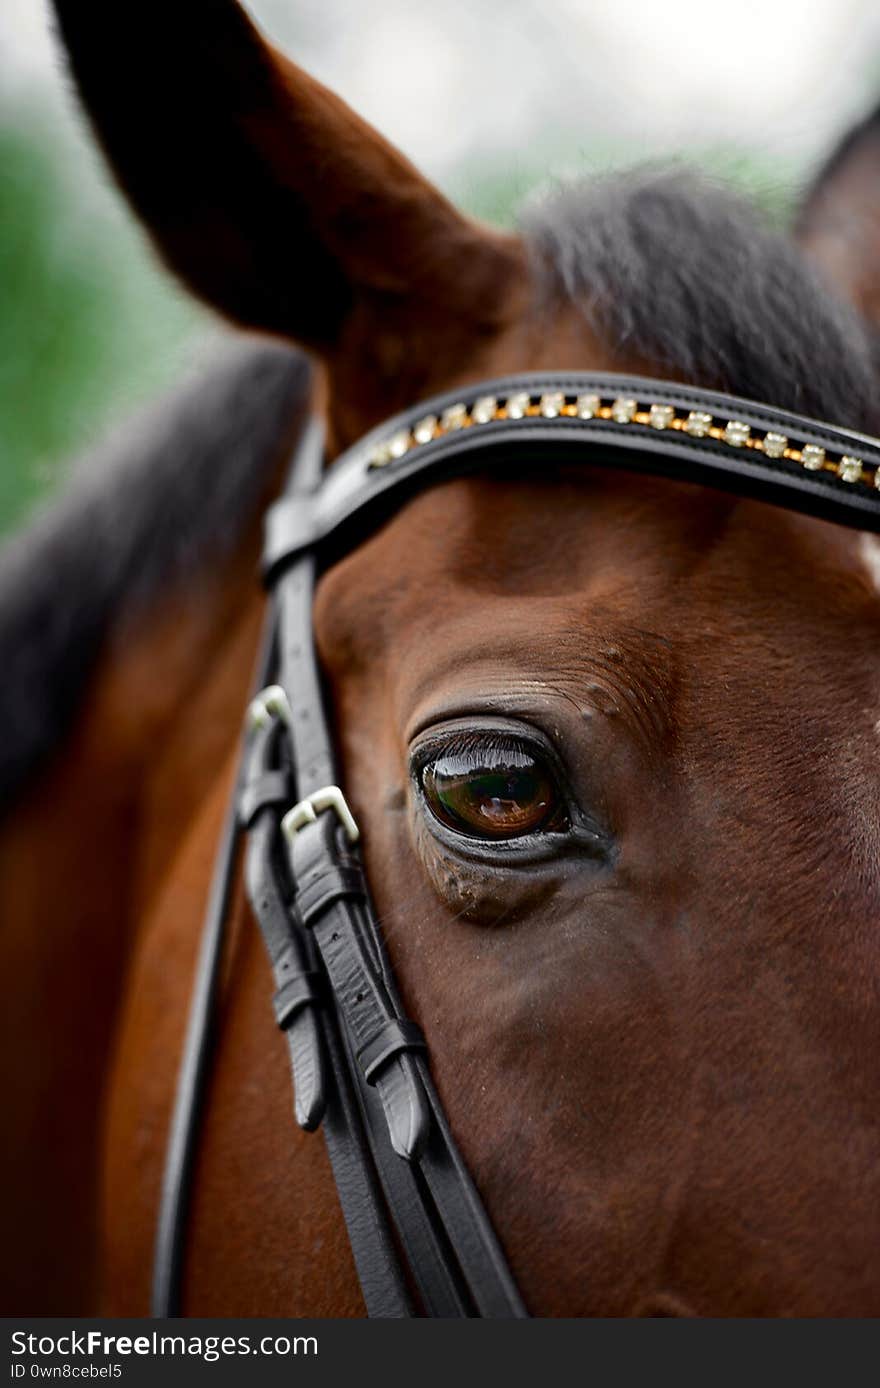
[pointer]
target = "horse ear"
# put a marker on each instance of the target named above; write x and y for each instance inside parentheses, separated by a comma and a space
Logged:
(838, 225)
(262, 190)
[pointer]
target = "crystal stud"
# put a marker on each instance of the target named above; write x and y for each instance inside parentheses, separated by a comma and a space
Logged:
(736, 433)
(849, 469)
(551, 405)
(587, 406)
(775, 445)
(623, 410)
(484, 409)
(455, 417)
(398, 444)
(813, 457)
(381, 454)
(423, 432)
(698, 424)
(517, 405)
(661, 416)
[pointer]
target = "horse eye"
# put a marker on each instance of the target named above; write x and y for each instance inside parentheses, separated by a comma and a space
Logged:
(492, 790)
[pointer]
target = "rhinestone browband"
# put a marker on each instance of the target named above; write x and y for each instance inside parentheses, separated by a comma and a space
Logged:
(637, 424)
(698, 424)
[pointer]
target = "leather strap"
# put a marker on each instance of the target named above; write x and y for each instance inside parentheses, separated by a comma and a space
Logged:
(292, 958)
(392, 1137)
(350, 953)
(356, 496)
(451, 1249)
(389, 1041)
(261, 790)
(322, 1089)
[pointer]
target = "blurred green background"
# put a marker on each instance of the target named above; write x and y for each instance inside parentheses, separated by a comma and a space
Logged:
(90, 325)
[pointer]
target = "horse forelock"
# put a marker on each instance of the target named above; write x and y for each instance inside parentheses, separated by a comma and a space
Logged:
(676, 268)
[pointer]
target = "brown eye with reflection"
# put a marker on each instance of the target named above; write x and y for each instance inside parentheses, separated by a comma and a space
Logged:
(492, 791)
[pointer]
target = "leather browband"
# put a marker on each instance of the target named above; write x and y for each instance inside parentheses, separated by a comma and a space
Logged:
(672, 431)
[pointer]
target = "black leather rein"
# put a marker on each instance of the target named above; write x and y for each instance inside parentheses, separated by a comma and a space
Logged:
(421, 1240)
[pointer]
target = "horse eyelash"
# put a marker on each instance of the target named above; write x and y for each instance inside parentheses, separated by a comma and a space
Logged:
(480, 747)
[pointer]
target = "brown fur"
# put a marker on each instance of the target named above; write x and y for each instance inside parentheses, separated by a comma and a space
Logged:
(662, 1073)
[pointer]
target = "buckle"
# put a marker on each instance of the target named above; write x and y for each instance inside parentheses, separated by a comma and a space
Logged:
(306, 812)
(269, 704)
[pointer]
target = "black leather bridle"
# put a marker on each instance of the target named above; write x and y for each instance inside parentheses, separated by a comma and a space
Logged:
(421, 1239)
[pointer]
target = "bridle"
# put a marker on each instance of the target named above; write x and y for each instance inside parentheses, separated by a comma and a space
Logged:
(421, 1239)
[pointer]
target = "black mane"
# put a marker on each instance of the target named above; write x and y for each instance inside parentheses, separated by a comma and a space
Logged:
(176, 489)
(671, 267)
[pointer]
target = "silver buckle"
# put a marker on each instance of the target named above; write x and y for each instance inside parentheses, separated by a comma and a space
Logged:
(307, 811)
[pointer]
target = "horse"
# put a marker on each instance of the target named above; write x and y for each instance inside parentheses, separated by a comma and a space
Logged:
(658, 1054)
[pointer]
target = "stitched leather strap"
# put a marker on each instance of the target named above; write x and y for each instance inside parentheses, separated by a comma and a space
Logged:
(327, 884)
(355, 497)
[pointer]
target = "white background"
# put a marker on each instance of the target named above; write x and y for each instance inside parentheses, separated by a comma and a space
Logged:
(451, 80)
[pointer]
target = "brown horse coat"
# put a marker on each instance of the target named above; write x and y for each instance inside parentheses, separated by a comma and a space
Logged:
(661, 1067)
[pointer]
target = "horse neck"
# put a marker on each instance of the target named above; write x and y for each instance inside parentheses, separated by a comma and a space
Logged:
(82, 858)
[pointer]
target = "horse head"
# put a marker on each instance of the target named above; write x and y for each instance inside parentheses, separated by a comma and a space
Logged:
(612, 739)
